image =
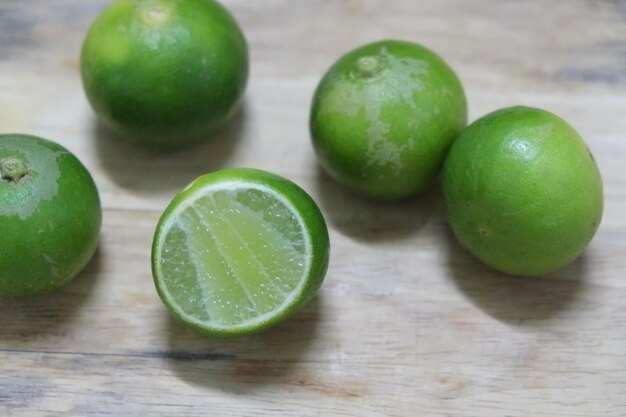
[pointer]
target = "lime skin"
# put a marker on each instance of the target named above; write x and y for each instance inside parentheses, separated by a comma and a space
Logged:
(50, 215)
(312, 221)
(522, 191)
(384, 117)
(164, 73)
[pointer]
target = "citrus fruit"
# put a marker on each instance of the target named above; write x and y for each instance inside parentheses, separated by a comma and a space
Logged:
(49, 215)
(239, 250)
(384, 116)
(164, 73)
(522, 191)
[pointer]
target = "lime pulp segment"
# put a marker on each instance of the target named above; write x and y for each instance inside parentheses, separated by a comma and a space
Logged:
(235, 254)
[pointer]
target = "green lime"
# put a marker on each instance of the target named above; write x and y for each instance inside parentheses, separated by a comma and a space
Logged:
(164, 73)
(384, 116)
(239, 250)
(49, 215)
(522, 191)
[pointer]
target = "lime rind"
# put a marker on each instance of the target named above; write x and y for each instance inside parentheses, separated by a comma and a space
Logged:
(256, 318)
(50, 216)
(383, 118)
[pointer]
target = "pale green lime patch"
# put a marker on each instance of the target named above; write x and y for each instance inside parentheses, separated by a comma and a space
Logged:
(152, 16)
(157, 40)
(112, 47)
(343, 97)
(23, 197)
(234, 254)
(369, 68)
(382, 152)
(156, 12)
(354, 96)
(54, 266)
(407, 76)
(348, 95)
(404, 83)
(524, 149)
(543, 130)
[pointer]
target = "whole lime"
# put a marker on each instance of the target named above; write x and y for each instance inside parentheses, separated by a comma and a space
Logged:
(49, 215)
(384, 116)
(522, 191)
(164, 73)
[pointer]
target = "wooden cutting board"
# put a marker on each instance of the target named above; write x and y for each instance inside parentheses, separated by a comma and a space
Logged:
(406, 324)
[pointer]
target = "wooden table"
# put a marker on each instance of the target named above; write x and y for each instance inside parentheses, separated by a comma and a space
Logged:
(406, 323)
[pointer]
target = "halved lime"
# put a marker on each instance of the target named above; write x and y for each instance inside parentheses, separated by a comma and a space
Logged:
(239, 250)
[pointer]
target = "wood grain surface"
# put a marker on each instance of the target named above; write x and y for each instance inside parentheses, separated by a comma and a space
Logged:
(406, 324)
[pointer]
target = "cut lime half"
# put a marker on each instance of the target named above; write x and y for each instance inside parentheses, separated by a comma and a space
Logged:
(239, 250)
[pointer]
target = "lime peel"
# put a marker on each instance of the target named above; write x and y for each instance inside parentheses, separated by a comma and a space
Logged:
(156, 13)
(50, 215)
(383, 118)
(522, 191)
(165, 73)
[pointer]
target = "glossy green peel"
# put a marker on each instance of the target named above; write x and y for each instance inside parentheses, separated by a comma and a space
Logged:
(164, 73)
(49, 215)
(522, 191)
(384, 116)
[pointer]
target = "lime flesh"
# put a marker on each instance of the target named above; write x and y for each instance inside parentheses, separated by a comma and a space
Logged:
(238, 251)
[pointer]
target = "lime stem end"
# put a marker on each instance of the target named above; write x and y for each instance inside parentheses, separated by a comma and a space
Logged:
(13, 169)
(370, 66)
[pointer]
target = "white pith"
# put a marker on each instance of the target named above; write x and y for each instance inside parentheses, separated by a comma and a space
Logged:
(232, 185)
